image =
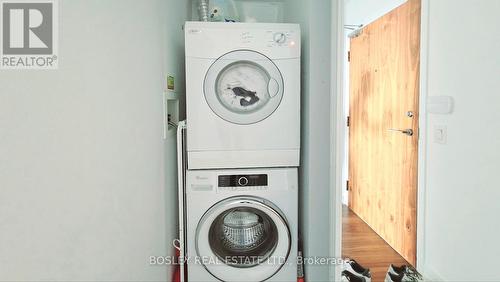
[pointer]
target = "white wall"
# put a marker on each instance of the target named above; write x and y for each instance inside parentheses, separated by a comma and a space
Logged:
(462, 188)
(315, 18)
(267, 11)
(366, 11)
(83, 195)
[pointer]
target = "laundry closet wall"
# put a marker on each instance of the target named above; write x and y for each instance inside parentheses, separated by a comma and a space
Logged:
(83, 195)
(316, 173)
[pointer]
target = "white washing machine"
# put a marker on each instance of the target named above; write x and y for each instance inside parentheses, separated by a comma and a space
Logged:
(243, 95)
(241, 225)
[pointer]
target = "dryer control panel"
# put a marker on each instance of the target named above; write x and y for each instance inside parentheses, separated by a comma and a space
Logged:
(283, 38)
(212, 40)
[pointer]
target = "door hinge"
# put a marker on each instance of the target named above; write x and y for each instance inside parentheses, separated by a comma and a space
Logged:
(347, 185)
(348, 121)
(348, 56)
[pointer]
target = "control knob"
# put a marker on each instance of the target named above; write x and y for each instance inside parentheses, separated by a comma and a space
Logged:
(279, 37)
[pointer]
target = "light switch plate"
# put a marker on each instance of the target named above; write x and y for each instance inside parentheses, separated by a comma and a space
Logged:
(440, 134)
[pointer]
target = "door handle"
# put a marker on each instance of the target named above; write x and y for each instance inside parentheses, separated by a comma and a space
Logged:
(273, 87)
(408, 131)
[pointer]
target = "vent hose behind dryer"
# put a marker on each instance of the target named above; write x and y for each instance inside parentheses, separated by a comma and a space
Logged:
(203, 10)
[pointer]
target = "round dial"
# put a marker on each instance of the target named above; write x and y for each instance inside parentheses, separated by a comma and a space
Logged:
(243, 181)
(242, 87)
(279, 37)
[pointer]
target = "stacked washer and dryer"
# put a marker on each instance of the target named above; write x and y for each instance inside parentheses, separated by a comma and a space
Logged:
(240, 217)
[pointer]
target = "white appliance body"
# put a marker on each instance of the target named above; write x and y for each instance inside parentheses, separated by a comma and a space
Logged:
(243, 95)
(218, 198)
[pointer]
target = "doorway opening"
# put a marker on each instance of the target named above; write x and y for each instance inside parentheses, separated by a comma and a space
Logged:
(381, 91)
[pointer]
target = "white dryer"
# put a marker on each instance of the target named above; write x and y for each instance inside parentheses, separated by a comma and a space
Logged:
(241, 225)
(243, 95)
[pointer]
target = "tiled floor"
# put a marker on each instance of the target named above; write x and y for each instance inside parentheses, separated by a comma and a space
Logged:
(361, 243)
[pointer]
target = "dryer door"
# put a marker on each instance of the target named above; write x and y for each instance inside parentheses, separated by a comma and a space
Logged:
(243, 239)
(243, 87)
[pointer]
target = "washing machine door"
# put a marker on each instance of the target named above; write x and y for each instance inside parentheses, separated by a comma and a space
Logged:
(243, 87)
(243, 239)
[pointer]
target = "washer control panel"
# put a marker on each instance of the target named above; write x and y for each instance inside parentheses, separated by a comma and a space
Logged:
(242, 180)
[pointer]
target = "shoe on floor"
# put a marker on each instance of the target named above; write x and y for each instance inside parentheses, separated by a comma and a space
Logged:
(402, 274)
(401, 269)
(350, 277)
(355, 268)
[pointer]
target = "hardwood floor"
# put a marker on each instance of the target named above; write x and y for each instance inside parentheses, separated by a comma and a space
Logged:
(361, 243)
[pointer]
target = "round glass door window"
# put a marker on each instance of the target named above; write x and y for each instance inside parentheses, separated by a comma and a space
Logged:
(243, 237)
(243, 87)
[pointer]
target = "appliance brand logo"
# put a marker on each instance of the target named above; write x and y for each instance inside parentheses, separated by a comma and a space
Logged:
(29, 34)
(194, 31)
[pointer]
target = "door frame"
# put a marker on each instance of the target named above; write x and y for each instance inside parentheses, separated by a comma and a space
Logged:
(338, 130)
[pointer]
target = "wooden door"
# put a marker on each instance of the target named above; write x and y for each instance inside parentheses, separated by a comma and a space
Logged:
(384, 91)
